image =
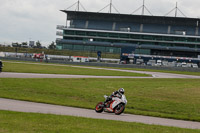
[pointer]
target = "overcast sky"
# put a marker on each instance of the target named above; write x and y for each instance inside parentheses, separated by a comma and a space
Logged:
(24, 20)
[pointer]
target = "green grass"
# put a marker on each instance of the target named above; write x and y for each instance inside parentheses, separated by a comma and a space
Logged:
(66, 69)
(136, 69)
(45, 123)
(170, 98)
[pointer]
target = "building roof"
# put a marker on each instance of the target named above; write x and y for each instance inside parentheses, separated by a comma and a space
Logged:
(80, 15)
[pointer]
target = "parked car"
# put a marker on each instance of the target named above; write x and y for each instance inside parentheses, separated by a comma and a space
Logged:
(159, 63)
(139, 61)
(195, 65)
(1, 66)
(184, 64)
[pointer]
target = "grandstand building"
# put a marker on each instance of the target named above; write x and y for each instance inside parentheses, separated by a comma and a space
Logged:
(131, 35)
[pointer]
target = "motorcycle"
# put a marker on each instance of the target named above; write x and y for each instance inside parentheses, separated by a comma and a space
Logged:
(116, 105)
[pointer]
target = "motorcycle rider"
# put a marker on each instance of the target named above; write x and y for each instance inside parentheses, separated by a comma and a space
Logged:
(117, 93)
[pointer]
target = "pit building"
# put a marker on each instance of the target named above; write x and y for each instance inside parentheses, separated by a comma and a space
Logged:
(132, 36)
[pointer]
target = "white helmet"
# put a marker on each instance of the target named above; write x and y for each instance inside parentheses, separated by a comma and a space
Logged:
(121, 90)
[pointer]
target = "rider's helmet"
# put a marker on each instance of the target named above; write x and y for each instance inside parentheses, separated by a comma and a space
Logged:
(121, 90)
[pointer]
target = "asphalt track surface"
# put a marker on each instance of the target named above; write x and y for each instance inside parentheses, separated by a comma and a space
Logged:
(34, 75)
(22, 106)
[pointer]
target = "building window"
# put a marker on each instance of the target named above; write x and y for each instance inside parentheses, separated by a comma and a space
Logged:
(80, 33)
(128, 29)
(91, 33)
(101, 34)
(111, 50)
(98, 48)
(69, 32)
(68, 46)
(180, 32)
(113, 35)
(124, 36)
(78, 47)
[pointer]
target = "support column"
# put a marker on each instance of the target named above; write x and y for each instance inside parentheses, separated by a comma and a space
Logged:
(197, 29)
(86, 24)
(114, 26)
(169, 29)
(141, 27)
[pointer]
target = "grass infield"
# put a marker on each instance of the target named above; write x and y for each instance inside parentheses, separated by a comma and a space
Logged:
(62, 69)
(170, 98)
(45, 123)
(10, 67)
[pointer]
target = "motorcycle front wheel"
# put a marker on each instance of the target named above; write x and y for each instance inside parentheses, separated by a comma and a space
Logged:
(119, 109)
(99, 107)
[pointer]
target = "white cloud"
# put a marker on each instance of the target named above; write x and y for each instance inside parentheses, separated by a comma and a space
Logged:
(37, 19)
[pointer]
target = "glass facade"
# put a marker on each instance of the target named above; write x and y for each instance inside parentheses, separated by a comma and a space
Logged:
(131, 38)
(136, 38)
(88, 48)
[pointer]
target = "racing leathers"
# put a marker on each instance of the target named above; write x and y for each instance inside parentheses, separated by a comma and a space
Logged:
(114, 94)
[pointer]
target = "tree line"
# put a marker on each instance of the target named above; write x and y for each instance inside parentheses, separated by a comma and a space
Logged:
(37, 45)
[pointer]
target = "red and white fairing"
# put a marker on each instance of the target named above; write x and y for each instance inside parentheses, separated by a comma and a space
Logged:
(115, 102)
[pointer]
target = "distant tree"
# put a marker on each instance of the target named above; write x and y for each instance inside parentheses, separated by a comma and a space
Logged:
(52, 46)
(44, 47)
(38, 44)
(24, 43)
(16, 44)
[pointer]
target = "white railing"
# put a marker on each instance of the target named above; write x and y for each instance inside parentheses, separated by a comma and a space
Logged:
(60, 27)
(59, 33)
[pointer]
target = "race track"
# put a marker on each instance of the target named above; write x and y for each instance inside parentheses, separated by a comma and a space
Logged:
(34, 75)
(22, 106)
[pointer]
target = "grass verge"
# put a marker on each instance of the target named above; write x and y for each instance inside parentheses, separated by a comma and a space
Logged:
(45, 123)
(170, 98)
(136, 69)
(62, 69)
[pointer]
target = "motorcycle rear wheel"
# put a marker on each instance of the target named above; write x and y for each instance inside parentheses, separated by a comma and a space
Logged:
(119, 109)
(99, 107)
